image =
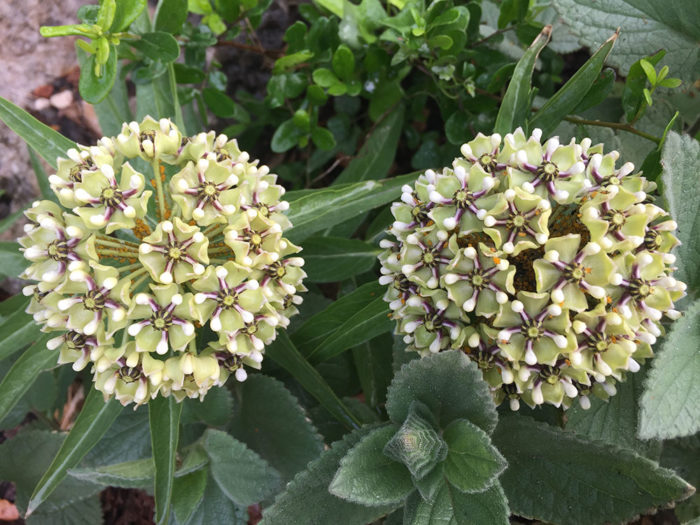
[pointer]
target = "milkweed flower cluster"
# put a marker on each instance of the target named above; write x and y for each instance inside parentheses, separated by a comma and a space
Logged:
(547, 264)
(168, 285)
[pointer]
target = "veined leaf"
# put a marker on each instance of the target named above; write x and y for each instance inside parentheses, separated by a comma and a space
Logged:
(94, 420)
(158, 45)
(669, 405)
(516, 102)
(17, 331)
(48, 143)
(285, 354)
(24, 372)
(12, 262)
(571, 93)
(42, 179)
(164, 418)
(554, 476)
(315, 210)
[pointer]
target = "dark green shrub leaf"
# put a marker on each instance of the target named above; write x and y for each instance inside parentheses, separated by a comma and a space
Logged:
(240, 473)
(330, 259)
(185, 74)
(164, 418)
(557, 477)
(457, 508)
(219, 103)
(17, 330)
(286, 136)
(373, 363)
(306, 498)
(214, 410)
(323, 138)
(129, 474)
(636, 81)
(126, 12)
(680, 159)
(416, 444)
(343, 62)
(93, 421)
(170, 16)
(216, 507)
(48, 143)
(325, 78)
(158, 45)
(94, 88)
(24, 372)
(449, 384)
(599, 91)
(269, 419)
(669, 406)
(571, 94)
(368, 476)
(515, 106)
(473, 464)
(289, 61)
(12, 262)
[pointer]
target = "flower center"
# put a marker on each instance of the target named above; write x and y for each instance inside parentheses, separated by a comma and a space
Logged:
(548, 171)
(487, 162)
(477, 280)
(462, 198)
(75, 341)
(162, 320)
(174, 252)
(94, 300)
(58, 250)
(531, 329)
(129, 374)
(432, 323)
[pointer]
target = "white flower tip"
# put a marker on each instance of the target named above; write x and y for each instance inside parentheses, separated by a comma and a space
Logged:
(554, 310)
(450, 223)
(110, 282)
(74, 231)
(521, 157)
(597, 291)
(145, 248)
(241, 375)
(134, 329)
(537, 134)
(501, 297)
(489, 221)
(514, 405)
(560, 341)
(118, 314)
(557, 295)
(488, 183)
(517, 306)
(215, 324)
(551, 256)
(166, 277)
(167, 226)
(82, 195)
(469, 305)
(252, 284)
(466, 151)
(198, 268)
(188, 329)
(98, 220)
(530, 357)
(221, 272)
(247, 316)
(162, 347)
(508, 247)
(432, 283)
(537, 396)
(561, 194)
(176, 299)
(509, 194)
(450, 278)
(528, 187)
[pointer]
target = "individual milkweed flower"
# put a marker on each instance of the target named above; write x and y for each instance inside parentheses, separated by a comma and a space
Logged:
(545, 263)
(167, 290)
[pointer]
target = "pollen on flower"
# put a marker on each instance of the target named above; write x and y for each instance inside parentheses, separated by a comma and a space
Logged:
(548, 267)
(128, 276)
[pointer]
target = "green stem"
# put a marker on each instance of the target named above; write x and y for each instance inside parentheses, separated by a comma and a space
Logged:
(116, 253)
(113, 244)
(159, 189)
(130, 267)
(613, 125)
(101, 238)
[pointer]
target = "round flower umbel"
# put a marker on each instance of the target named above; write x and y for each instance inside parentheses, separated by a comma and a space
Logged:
(545, 263)
(165, 290)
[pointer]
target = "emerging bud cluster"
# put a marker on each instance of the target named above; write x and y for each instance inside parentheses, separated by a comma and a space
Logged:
(547, 264)
(166, 290)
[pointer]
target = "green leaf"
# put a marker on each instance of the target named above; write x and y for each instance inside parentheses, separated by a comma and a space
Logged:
(289, 61)
(649, 70)
(323, 138)
(220, 103)
(24, 372)
(86, 511)
(215, 507)
(241, 474)
(647, 26)
(114, 109)
(26, 457)
(214, 410)
(129, 474)
(269, 419)
(42, 179)
(557, 477)
(17, 330)
(343, 62)
(164, 419)
(363, 325)
(48, 143)
(92, 422)
(314, 210)
(170, 16)
(185, 74)
(599, 91)
(154, 99)
(373, 363)
(327, 322)
(283, 352)
(450, 506)
(12, 262)
(331, 259)
(306, 498)
(325, 77)
(614, 421)
(129, 438)
(369, 477)
(515, 107)
(455, 390)
(669, 406)
(680, 160)
(127, 11)
(416, 444)
(9, 221)
(286, 137)
(636, 81)
(572, 93)
(473, 464)
(94, 88)
(157, 45)
(188, 492)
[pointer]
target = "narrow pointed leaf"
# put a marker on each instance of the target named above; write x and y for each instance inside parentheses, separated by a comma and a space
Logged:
(94, 420)
(42, 178)
(314, 210)
(285, 354)
(48, 143)
(571, 93)
(164, 418)
(188, 493)
(24, 372)
(17, 331)
(516, 102)
(331, 259)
